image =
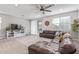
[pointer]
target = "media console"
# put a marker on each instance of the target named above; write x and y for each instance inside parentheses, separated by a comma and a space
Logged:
(14, 34)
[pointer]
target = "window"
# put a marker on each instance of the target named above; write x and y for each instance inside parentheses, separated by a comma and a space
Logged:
(56, 21)
(39, 26)
(34, 27)
(63, 23)
(0, 22)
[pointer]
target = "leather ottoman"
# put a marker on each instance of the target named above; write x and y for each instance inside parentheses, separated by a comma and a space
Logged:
(41, 48)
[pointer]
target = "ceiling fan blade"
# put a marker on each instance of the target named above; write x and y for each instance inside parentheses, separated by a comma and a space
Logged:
(48, 10)
(36, 7)
(41, 7)
(49, 6)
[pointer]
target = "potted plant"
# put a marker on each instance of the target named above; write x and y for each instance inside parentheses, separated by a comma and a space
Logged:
(8, 28)
(75, 28)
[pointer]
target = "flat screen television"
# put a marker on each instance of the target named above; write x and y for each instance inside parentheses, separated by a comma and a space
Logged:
(14, 26)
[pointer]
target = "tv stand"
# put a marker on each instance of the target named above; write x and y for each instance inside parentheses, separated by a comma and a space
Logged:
(14, 34)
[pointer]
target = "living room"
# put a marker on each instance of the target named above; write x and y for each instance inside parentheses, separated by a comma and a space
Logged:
(23, 27)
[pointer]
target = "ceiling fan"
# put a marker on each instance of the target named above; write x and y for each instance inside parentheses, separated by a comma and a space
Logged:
(44, 9)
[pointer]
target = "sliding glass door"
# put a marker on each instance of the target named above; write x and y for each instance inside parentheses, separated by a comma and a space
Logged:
(34, 27)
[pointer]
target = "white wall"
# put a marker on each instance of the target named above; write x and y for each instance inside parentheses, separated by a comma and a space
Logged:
(7, 19)
(73, 15)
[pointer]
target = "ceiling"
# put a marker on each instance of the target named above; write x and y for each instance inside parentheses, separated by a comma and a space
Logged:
(30, 11)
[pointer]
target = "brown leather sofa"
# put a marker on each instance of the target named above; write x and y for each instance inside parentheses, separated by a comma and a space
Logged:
(48, 34)
(68, 49)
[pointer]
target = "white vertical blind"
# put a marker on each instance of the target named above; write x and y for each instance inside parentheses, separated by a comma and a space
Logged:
(56, 21)
(0, 21)
(63, 23)
(34, 27)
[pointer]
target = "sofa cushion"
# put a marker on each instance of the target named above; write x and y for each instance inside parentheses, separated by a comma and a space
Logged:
(45, 31)
(52, 32)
